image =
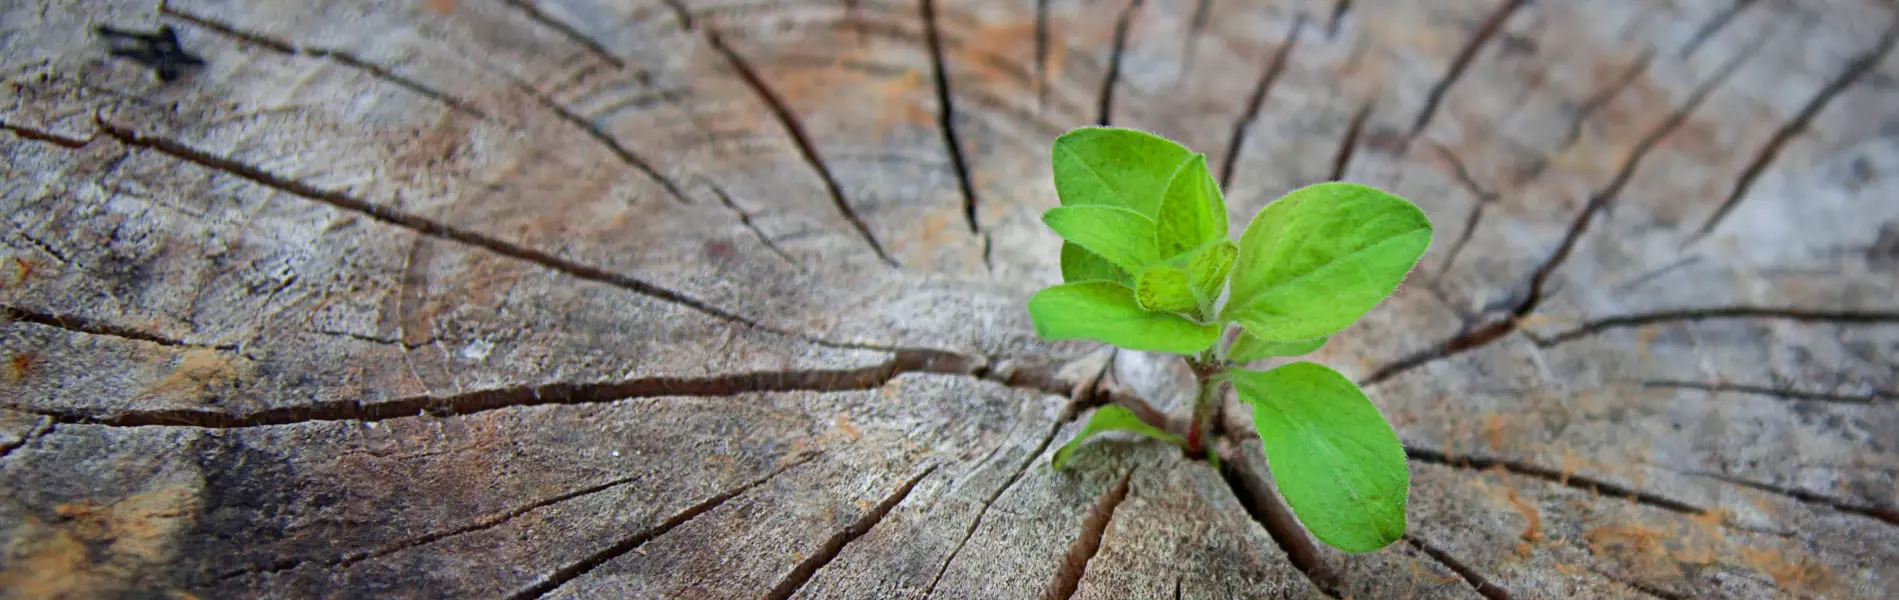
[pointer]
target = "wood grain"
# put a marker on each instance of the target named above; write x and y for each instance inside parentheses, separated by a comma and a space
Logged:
(690, 299)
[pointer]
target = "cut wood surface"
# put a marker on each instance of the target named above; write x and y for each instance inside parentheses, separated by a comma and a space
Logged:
(725, 299)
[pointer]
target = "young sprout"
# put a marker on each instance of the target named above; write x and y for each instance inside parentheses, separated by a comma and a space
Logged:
(1147, 265)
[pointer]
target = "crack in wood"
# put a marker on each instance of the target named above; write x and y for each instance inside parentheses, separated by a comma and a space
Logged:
(946, 117)
(1081, 394)
(44, 427)
(1348, 144)
(1094, 526)
(728, 385)
(484, 522)
(1724, 312)
(1476, 580)
(1475, 337)
(1196, 25)
(1601, 98)
(1257, 100)
(613, 145)
(1579, 482)
(1602, 198)
(339, 56)
(1122, 24)
(418, 224)
(745, 219)
(1855, 69)
(976, 523)
(1713, 26)
(29, 133)
(1887, 514)
(682, 13)
(1485, 31)
(599, 51)
(80, 324)
(1870, 397)
(1340, 8)
(795, 129)
(631, 543)
(1262, 503)
(1484, 197)
(827, 552)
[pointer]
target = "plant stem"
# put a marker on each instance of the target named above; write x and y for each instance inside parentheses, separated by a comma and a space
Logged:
(1202, 405)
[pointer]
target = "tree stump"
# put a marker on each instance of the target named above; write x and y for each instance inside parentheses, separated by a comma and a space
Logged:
(690, 299)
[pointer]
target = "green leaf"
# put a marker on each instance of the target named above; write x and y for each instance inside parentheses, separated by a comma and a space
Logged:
(1078, 264)
(1317, 259)
(1114, 167)
(1248, 348)
(1106, 311)
(1164, 287)
(1336, 461)
(1207, 269)
(1121, 236)
(1192, 212)
(1112, 417)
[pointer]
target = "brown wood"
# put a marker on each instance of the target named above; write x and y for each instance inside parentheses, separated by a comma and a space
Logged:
(676, 298)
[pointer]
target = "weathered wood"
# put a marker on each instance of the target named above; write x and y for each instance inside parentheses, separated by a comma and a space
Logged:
(669, 298)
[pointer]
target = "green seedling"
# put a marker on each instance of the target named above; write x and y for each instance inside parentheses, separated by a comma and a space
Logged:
(1147, 265)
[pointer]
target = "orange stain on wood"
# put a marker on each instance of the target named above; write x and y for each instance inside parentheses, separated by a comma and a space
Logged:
(197, 371)
(96, 550)
(844, 425)
(1532, 519)
(1793, 572)
(19, 367)
(1493, 430)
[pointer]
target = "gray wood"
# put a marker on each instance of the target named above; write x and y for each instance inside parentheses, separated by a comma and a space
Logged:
(671, 298)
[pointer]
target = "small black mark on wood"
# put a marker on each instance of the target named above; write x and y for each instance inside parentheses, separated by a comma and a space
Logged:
(159, 50)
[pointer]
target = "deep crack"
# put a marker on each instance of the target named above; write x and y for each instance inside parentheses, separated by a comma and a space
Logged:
(824, 554)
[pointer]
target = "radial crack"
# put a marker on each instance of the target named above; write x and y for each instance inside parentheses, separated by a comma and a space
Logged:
(1122, 24)
(629, 544)
(1580, 482)
(1602, 97)
(1094, 526)
(1607, 195)
(1485, 31)
(1342, 160)
(1886, 514)
(1079, 396)
(1855, 69)
(341, 57)
(45, 136)
(1257, 497)
(1258, 100)
(80, 324)
(1340, 8)
(1471, 576)
(415, 223)
(745, 219)
(44, 427)
(1713, 26)
(1484, 197)
(1870, 397)
(820, 380)
(827, 552)
(572, 34)
(946, 116)
(795, 129)
(612, 145)
(1725, 312)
